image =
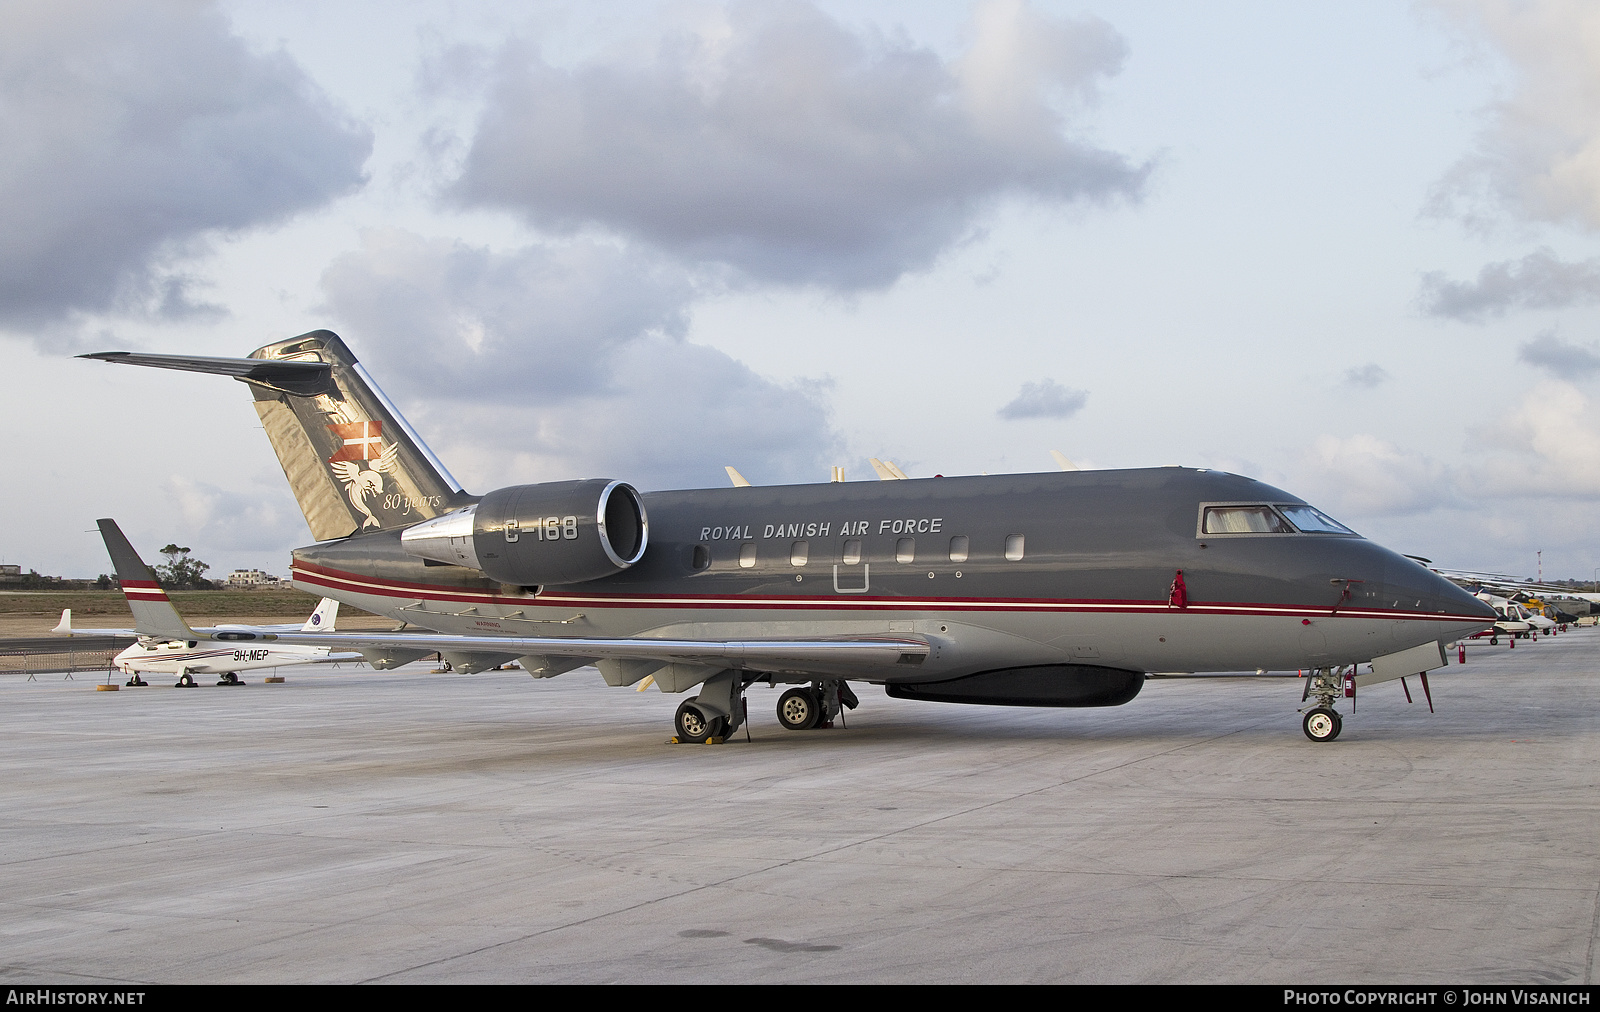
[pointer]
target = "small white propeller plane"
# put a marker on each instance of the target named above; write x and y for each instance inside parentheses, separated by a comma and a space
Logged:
(167, 643)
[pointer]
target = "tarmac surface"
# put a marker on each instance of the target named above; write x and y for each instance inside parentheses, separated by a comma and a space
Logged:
(406, 827)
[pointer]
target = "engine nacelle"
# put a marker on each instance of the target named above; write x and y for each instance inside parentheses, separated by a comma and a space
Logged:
(531, 535)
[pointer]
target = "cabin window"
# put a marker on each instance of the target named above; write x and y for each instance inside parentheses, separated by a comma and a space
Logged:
(905, 550)
(1244, 520)
(1313, 521)
(798, 552)
(747, 555)
(701, 558)
(1013, 548)
(852, 551)
(958, 548)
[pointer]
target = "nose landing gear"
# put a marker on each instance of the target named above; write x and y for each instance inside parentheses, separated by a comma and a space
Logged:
(1322, 722)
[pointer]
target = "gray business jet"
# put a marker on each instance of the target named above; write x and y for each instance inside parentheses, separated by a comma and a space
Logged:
(1055, 589)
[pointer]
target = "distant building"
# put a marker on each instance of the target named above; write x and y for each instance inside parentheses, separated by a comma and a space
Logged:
(252, 578)
(10, 573)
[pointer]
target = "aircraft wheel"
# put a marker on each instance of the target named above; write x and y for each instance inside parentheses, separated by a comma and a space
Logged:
(186, 681)
(1322, 724)
(799, 709)
(693, 726)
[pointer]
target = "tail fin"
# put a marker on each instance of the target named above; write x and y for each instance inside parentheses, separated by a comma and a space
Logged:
(352, 462)
(323, 619)
(153, 613)
(65, 625)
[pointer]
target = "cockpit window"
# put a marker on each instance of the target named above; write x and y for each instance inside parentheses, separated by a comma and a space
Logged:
(1313, 521)
(1244, 520)
(1238, 518)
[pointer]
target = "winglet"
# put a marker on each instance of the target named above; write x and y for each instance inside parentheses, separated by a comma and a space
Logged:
(739, 480)
(153, 613)
(1062, 461)
(65, 625)
(324, 618)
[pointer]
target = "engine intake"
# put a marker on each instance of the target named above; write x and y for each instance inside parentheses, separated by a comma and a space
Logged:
(533, 535)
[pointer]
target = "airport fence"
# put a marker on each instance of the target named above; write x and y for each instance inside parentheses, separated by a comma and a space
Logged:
(51, 655)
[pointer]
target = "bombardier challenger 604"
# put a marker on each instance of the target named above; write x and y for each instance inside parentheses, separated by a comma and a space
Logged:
(1058, 589)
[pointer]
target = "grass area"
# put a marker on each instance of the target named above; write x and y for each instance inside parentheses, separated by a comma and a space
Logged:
(190, 603)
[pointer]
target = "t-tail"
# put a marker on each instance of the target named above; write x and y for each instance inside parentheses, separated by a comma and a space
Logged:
(353, 462)
(153, 613)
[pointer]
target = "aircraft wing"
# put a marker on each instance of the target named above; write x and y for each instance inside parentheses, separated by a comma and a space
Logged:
(854, 657)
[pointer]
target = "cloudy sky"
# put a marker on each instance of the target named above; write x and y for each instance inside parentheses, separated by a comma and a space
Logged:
(1350, 249)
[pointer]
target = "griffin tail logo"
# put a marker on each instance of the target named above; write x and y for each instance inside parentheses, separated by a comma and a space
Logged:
(361, 443)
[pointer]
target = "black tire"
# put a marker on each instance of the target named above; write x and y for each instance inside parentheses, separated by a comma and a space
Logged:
(693, 726)
(799, 709)
(1322, 724)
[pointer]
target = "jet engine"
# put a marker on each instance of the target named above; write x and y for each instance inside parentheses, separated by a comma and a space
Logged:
(531, 535)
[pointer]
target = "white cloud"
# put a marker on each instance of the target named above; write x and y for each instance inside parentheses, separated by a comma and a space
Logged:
(564, 360)
(1548, 447)
(132, 131)
(770, 138)
(1362, 475)
(542, 323)
(1561, 359)
(1538, 156)
(1367, 376)
(1540, 280)
(1045, 399)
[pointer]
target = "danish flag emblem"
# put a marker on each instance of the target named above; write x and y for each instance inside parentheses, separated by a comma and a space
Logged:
(360, 441)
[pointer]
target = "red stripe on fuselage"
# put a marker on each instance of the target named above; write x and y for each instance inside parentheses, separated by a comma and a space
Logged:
(336, 580)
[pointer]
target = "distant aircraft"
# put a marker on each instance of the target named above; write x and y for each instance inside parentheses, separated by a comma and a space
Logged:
(886, 470)
(1055, 589)
(167, 644)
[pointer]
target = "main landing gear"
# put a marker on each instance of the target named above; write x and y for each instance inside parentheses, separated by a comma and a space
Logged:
(186, 681)
(229, 678)
(804, 708)
(715, 712)
(719, 708)
(1322, 722)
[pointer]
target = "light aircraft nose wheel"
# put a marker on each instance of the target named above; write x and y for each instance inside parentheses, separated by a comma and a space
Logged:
(693, 726)
(799, 709)
(1322, 724)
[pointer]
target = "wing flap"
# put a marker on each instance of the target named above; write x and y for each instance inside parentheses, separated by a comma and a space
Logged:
(821, 656)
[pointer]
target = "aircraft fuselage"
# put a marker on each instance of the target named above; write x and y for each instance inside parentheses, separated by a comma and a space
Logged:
(994, 571)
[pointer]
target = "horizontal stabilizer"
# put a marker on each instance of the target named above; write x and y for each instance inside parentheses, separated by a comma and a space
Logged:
(303, 378)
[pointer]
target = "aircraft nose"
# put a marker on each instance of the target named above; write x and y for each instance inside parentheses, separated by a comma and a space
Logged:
(1452, 599)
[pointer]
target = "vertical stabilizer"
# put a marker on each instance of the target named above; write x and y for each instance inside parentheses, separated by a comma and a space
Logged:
(153, 613)
(323, 619)
(351, 459)
(353, 463)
